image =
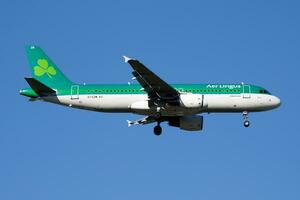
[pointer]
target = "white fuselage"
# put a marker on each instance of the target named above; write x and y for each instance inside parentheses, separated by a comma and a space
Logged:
(137, 103)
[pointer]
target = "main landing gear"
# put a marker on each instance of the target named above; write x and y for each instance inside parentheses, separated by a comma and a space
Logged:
(157, 129)
(245, 118)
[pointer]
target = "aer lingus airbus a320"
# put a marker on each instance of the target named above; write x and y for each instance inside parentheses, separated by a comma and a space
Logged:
(181, 105)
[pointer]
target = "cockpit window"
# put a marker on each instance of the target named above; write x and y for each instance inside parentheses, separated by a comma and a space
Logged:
(264, 92)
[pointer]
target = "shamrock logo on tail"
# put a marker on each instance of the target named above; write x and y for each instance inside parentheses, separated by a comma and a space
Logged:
(44, 68)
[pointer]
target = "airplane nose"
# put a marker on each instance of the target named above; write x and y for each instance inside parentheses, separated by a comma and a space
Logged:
(276, 102)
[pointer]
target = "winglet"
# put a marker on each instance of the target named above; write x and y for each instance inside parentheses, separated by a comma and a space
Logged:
(126, 59)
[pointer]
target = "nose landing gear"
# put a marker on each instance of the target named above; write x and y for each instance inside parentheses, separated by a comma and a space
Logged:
(246, 123)
(245, 119)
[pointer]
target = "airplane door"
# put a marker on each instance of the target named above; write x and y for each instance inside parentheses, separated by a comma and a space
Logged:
(75, 92)
(246, 91)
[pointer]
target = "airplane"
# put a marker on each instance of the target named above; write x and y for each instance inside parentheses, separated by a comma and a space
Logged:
(180, 105)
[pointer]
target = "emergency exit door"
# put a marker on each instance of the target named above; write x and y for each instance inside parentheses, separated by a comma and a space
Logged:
(246, 91)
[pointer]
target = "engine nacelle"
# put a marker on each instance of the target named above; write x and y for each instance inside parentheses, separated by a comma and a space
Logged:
(188, 123)
(191, 100)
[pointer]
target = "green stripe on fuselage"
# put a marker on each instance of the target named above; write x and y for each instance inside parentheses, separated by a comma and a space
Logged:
(85, 89)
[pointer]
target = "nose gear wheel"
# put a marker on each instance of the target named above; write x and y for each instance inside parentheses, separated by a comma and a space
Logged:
(245, 119)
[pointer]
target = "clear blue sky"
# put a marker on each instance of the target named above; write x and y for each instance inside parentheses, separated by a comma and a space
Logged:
(53, 152)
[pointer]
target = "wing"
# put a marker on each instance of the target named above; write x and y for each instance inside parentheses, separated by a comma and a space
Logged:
(156, 88)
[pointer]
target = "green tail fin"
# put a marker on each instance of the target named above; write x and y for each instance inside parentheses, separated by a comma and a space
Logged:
(44, 69)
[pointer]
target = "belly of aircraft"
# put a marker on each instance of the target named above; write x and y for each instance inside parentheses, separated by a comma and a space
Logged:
(122, 103)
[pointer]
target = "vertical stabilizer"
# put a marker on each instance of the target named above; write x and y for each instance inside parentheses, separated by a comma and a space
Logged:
(44, 69)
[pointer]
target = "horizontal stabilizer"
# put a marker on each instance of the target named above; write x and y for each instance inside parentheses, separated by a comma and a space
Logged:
(39, 88)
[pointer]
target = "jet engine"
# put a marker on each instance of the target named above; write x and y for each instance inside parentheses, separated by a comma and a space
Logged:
(188, 123)
(191, 100)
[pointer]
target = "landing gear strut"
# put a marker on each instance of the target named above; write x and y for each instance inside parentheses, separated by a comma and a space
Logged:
(245, 118)
(157, 129)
